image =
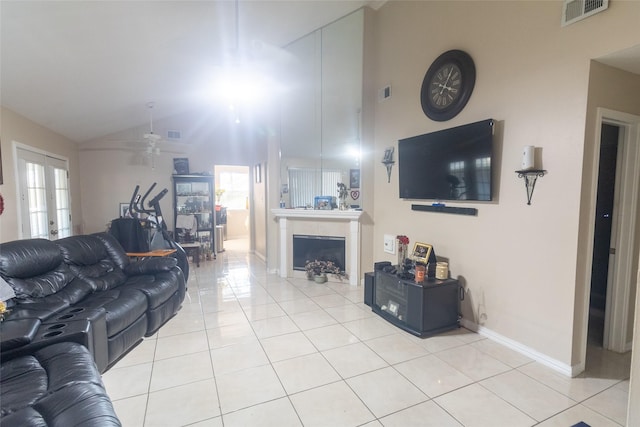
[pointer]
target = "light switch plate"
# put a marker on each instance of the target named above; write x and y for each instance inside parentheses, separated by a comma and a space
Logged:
(390, 244)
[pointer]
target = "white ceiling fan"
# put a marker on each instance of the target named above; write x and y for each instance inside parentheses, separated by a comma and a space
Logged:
(151, 138)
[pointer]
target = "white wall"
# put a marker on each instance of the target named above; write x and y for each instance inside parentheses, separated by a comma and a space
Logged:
(517, 262)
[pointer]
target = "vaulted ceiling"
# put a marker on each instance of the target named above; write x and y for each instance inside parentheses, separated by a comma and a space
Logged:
(88, 68)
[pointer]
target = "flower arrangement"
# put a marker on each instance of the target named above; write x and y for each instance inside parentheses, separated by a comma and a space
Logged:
(219, 193)
(402, 239)
(320, 267)
(343, 192)
(3, 310)
(403, 244)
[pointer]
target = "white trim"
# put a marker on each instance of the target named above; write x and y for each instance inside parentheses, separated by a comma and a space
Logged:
(259, 256)
(316, 213)
(15, 146)
(543, 359)
(624, 239)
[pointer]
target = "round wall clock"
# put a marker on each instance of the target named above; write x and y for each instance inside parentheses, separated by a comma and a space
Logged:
(447, 85)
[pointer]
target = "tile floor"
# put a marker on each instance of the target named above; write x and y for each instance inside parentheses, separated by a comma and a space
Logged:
(251, 349)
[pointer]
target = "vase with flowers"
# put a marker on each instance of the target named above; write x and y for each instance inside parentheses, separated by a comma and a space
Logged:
(342, 195)
(318, 270)
(403, 247)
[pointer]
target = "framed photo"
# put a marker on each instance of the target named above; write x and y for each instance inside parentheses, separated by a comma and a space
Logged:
(181, 166)
(124, 210)
(354, 178)
(323, 203)
(422, 252)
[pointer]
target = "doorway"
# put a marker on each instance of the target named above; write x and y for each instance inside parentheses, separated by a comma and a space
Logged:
(44, 195)
(603, 247)
(615, 230)
(232, 204)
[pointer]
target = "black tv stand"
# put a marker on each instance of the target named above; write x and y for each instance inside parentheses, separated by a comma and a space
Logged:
(422, 309)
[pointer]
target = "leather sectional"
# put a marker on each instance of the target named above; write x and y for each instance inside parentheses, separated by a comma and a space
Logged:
(76, 298)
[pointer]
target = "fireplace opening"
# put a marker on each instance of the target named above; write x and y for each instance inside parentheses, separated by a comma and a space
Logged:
(321, 248)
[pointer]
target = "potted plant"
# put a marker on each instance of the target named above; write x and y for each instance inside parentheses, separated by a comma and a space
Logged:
(219, 193)
(318, 270)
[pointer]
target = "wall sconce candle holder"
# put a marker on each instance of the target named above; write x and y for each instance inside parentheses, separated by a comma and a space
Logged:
(388, 162)
(530, 177)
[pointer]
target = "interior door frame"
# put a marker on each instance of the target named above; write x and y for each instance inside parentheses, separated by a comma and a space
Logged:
(22, 233)
(624, 230)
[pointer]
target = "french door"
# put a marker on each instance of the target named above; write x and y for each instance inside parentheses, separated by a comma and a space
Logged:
(45, 202)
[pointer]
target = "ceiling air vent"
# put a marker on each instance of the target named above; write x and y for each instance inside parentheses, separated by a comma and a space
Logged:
(174, 135)
(576, 10)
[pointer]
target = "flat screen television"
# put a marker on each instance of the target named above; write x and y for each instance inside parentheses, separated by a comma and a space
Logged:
(451, 164)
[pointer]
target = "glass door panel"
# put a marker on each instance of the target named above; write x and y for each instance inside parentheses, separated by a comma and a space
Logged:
(44, 196)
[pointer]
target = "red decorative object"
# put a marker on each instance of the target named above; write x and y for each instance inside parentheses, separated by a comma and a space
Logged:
(355, 194)
(403, 239)
(403, 243)
(1, 204)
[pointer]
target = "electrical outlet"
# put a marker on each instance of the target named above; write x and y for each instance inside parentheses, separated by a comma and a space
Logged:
(390, 244)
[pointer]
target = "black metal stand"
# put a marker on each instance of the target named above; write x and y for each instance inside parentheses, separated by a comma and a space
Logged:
(530, 177)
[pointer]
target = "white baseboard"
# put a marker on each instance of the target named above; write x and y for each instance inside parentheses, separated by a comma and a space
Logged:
(554, 364)
(260, 256)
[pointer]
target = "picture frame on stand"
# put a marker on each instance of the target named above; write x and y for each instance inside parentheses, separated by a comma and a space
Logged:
(421, 252)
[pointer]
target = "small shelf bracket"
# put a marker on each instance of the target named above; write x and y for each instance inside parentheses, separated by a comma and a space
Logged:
(530, 177)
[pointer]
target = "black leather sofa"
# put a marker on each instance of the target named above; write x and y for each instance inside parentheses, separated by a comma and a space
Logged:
(58, 385)
(86, 292)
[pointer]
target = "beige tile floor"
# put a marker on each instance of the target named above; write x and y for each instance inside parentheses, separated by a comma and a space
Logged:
(251, 349)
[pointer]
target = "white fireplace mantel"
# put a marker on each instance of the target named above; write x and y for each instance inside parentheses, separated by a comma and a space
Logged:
(290, 218)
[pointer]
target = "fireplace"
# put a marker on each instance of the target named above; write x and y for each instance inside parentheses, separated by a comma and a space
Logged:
(322, 248)
(310, 222)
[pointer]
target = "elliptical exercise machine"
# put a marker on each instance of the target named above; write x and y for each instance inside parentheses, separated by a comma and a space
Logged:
(145, 230)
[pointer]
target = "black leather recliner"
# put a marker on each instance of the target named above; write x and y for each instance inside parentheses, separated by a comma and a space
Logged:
(56, 386)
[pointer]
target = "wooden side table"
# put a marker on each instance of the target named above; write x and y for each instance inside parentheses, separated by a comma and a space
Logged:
(156, 253)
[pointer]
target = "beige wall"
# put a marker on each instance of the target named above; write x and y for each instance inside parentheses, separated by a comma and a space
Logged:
(517, 262)
(15, 128)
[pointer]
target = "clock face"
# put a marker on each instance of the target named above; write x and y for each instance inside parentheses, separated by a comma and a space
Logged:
(447, 85)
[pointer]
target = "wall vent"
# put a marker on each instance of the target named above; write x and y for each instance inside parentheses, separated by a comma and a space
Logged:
(576, 10)
(174, 135)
